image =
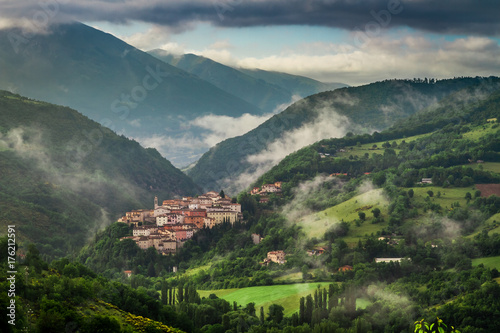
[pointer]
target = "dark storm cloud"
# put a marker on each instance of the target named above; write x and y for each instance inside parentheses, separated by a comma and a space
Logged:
(444, 16)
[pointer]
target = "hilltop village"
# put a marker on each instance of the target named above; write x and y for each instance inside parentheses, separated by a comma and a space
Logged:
(169, 225)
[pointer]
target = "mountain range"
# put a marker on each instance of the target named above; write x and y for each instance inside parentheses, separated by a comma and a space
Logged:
(267, 90)
(126, 89)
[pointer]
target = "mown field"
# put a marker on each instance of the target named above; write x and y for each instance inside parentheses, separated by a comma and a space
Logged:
(287, 295)
(489, 262)
(443, 196)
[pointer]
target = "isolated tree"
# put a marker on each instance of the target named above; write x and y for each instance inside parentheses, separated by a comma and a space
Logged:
(362, 216)
(221, 194)
(430, 193)
(410, 193)
(376, 212)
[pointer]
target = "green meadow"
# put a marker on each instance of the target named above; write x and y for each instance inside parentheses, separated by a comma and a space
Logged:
(443, 196)
(287, 295)
(486, 166)
(489, 262)
(361, 150)
(479, 131)
(315, 225)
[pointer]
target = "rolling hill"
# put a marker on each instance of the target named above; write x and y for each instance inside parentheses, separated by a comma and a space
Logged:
(454, 145)
(234, 163)
(453, 110)
(65, 176)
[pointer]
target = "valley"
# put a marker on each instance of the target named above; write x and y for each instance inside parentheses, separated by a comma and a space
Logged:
(342, 228)
(240, 186)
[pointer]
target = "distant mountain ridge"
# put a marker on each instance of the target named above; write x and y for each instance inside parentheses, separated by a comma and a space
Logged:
(264, 89)
(295, 84)
(234, 163)
(111, 82)
(64, 176)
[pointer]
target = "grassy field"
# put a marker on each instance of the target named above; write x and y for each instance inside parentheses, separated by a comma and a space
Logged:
(489, 262)
(368, 148)
(474, 134)
(479, 131)
(448, 195)
(194, 271)
(315, 225)
(492, 225)
(291, 277)
(486, 166)
(287, 296)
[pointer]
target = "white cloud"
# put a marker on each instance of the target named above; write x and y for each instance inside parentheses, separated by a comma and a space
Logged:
(223, 127)
(221, 45)
(297, 209)
(135, 122)
(155, 35)
(385, 57)
(223, 56)
(328, 124)
(203, 132)
(173, 48)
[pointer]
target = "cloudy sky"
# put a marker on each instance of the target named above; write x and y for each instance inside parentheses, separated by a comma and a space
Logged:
(350, 41)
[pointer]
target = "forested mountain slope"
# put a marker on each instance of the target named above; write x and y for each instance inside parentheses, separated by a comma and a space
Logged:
(236, 162)
(65, 176)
